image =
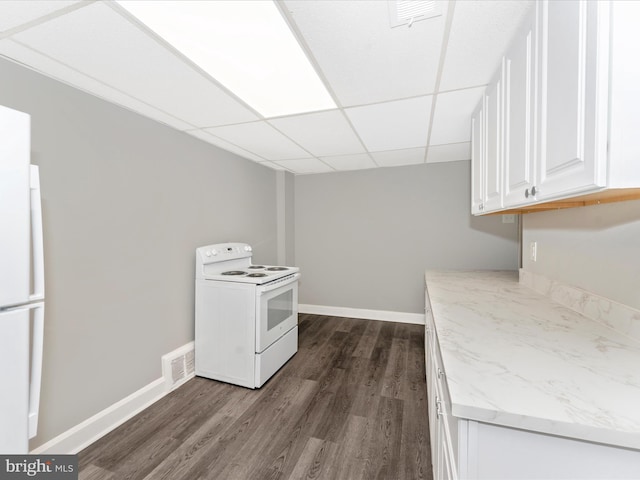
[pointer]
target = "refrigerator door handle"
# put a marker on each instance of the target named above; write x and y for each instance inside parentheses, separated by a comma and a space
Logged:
(38, 294)
(36, 236)
(36, 367)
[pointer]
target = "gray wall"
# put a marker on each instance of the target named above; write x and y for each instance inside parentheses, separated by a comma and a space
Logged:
(364, 238)
(126, 201)
(286, 219)
(595, 248)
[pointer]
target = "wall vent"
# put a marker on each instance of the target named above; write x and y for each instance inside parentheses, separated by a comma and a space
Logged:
(178, 366)
(407, 12)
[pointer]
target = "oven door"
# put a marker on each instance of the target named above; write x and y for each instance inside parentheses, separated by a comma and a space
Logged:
(276, 310)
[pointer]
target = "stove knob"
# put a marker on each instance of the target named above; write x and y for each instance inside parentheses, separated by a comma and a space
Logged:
(208, 253)
(214, 252)
(247, 248)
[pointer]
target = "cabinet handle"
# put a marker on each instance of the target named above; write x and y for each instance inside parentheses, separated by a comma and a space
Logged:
(440, 373)
(533, 190)
(438, 407)
(526, 193)
(481, 207)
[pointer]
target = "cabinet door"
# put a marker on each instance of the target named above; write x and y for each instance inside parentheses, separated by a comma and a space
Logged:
(568, 163)
(444, 467)
(447, 471)
(519, 101)
(14, 378)
(430, 374)
(438, 436)
(493, 148)
(477, 160)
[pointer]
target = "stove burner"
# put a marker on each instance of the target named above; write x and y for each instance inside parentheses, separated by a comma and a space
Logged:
(277, 269)
(257, 275)
(256, 267)
(234, 272)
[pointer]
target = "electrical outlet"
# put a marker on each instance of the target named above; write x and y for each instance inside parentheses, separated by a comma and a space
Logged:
(533, 251)
(509, 218)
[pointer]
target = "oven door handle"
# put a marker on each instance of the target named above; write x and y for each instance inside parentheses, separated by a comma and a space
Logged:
(278, 284)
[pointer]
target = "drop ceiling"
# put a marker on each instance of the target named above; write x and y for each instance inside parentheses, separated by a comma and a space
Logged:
(404, 94)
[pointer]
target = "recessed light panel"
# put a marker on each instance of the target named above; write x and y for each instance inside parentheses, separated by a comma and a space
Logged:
(247, 46)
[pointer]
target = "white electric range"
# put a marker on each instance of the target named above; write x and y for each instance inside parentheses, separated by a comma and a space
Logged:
(246, 323)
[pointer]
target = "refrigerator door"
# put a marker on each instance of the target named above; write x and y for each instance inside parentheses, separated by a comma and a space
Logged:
(37, 245)
(14, 207)
(35, 377)
(14, 381)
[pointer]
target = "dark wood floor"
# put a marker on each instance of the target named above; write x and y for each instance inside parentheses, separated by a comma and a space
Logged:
(351, 404)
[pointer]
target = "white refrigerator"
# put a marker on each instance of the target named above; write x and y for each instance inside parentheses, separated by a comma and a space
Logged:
(21, 285)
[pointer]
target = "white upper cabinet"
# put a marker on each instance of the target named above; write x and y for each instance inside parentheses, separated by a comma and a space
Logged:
(494, 145)
(565, 107)
(477, 160)
(520, 69)
(487, 150)
(624, 113)
(569, 39)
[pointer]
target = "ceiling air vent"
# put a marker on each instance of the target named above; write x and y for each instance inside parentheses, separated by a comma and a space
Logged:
(407, 12)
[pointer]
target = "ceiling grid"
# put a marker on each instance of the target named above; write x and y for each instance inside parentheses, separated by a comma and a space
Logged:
(403, 95)
(443, 54)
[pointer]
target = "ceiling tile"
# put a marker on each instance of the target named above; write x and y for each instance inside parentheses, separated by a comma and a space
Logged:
(353, 41)
(322, 134)
(350, 162)
(449, 153)
(261, 138)
(218, 142)
(98, 48)
(14, 13)
(305, 165)
(452, 117)
(101, 43)
(51, 68)
(480, 34)
(393, 125)
(395, 158)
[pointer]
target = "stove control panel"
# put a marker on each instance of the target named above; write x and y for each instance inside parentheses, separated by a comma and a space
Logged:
(223, 252)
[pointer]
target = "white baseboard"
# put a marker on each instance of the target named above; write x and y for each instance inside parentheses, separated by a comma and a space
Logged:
(93, 428)
(384, 315)
(97, 426)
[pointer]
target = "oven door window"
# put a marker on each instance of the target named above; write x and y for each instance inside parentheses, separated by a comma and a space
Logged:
(279, 309)
(277, 313)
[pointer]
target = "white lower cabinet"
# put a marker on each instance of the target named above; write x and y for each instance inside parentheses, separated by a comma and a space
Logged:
(502, 453)
(443, 427)
(467, 449)
(484, 451)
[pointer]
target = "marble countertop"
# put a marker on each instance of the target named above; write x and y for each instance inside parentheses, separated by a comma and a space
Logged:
(513, 357)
